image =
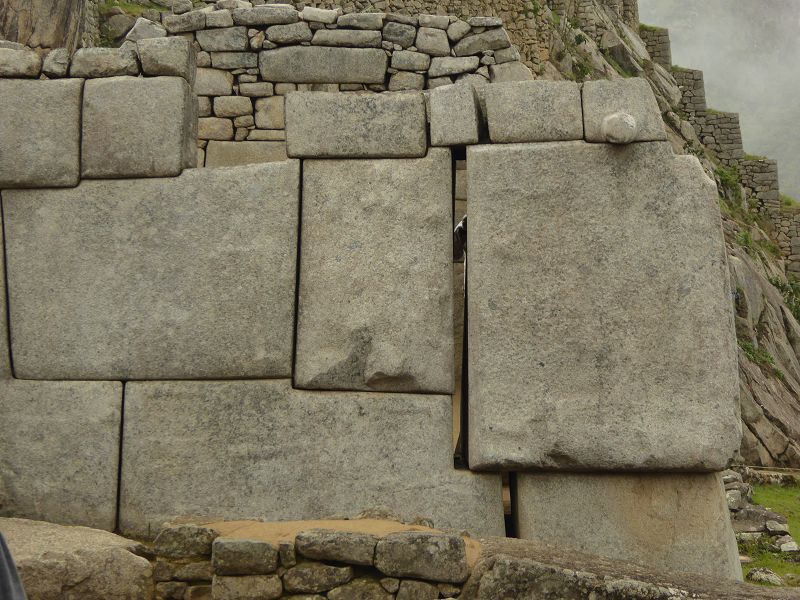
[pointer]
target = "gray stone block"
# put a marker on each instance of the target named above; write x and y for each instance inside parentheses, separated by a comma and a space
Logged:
(315, 577)
(510, 71)
(60, 446)
(145, 29)
(568, 367)
(112, 279)
(190, 21)
(362, 20)
(227, 39)
(455, 115)
(432, 41)
(491, 39)
(534, 111)
(40, 128)
(348, 547)
(365, 322)
(453, 65)
(352, 38)
(233, 556)
(672, 522)
(170, 56)
(19, 63)
(410, 61)
(330, 124)
(231, 154)
(234, 60)
(213, 82)
(251, 587)
(400, 33)
(5, 355)
(423, 555)
(122, 140)
(56, 63)
(269, 14)
(292, 33)
(103, 62)
(633, 96)
(323, 64)
(280, 461)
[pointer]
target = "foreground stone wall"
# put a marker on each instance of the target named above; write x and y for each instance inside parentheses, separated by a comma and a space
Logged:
(276, 341)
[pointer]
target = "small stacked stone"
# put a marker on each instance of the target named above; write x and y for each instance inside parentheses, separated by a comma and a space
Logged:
(722, 132)
(250, 56)
(194, 562)
(658, 44)
(693, 91)
(753, 523)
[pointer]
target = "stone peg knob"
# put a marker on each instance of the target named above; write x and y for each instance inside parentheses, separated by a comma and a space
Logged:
(619, 128)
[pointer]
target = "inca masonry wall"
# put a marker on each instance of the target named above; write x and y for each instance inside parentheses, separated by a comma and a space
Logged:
(275, 339)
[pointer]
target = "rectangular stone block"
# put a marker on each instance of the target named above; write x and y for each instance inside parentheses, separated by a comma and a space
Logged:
(672, 522)
(60, 446)
(534, 111)
(455, 115)
(242, 449)
(190, 277)
(633, 96)
(230, 154)
(5, 355)
(331, 125)
(121, 139)
(615, 351)
(375, 309)
(40, 125)
(323, 64)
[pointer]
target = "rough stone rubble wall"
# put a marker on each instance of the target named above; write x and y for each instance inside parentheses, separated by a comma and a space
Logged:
(266, 343)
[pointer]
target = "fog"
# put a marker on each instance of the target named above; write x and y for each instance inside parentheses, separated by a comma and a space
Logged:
(749, 51)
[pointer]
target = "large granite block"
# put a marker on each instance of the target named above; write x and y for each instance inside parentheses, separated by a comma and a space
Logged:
(534, 111)
(634, 97)
(672, 522)
(40, 129)
(59, 443)
(280, 454)
(189, 277)
(375, 309)
(122, 139)
(323, 64)
(615, 350)
(331, 125)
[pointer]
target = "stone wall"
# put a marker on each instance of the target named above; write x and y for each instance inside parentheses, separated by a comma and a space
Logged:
(658, 44)
(275, 340)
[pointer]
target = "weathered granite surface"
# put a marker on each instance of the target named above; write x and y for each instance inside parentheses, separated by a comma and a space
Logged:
(455, 115)
(674, 522)
(634, 96)
(40, 126)
(291, 454)
(5, 354)
(332, 125)
(323, 64)
(615, 353)
(57, 562)
(534, 111)
(187, 277)
(122, 140)
(170, 56)
(375, 299)
(59, 443)
(513, 568)
(229, 154)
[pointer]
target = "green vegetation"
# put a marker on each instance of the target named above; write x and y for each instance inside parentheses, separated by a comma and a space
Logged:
(729, 178)
(791, 294)
(643, 27)
(532, 9)
(135, 10)
(788, 201)
(754, 157)
(757, 355)
(784, 500)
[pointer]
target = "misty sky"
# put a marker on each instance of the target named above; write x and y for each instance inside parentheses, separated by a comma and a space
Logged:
(749, 51)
